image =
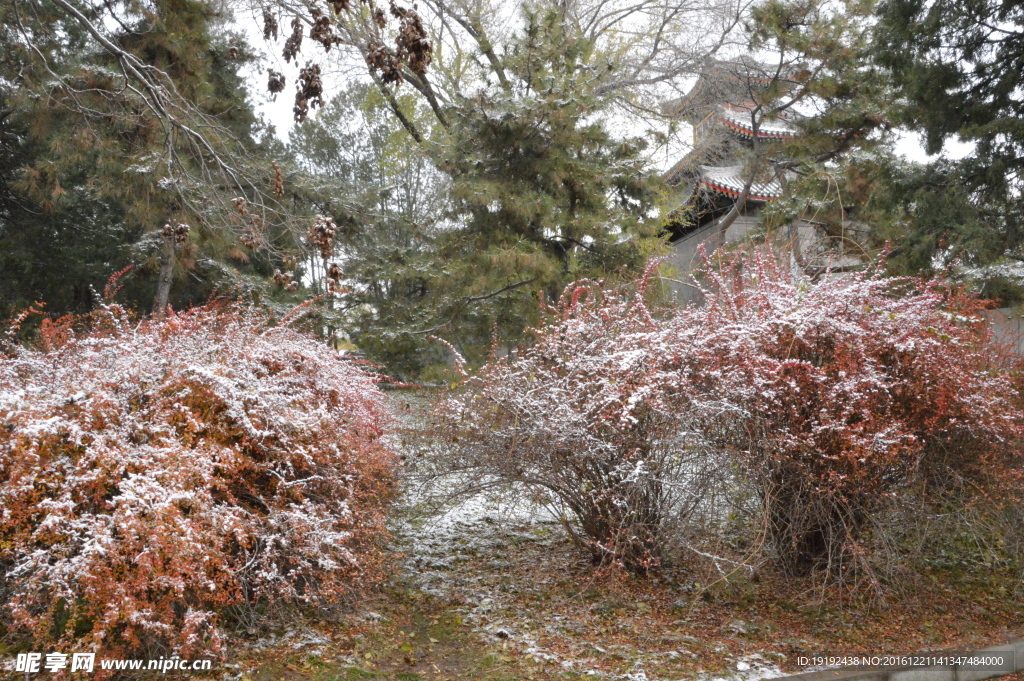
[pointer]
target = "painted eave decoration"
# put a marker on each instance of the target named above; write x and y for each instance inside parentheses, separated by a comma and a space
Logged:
(728, 181)
(737, 120)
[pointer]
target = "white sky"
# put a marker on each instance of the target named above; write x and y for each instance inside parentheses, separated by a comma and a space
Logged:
(910, 145)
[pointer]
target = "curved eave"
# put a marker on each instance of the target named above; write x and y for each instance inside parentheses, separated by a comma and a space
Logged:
(752, 195)
(748, 133)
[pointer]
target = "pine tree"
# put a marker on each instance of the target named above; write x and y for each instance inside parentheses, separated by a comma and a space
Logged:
(870, 69)
(540, 193)
(98, 174)
(513, 105)
(958, 66)
(818, 76)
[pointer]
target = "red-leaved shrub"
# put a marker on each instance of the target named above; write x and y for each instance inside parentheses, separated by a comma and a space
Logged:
(844, 390)
(161, 480)
(585, 416)
(821, 399)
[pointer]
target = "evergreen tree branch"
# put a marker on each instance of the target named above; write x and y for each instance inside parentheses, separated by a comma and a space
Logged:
(503, 289)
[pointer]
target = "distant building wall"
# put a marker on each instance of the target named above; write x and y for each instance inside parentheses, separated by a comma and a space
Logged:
(685, 257)
(1007, 328)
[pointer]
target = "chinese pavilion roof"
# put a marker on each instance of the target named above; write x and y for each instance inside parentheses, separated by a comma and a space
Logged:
(736, 118)
(728, 180)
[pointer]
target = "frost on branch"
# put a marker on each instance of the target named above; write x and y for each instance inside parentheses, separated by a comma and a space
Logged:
(275, 82)
(412, 46)
(159, 479)
(294, 42)
(270, 27)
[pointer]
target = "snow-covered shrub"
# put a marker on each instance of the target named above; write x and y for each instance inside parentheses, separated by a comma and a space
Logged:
(161, 481)
(843, 391)
(819, 400)
(583, 416)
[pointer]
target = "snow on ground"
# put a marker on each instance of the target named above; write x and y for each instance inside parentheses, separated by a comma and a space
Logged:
(476, 553)
(504, 564)
(485, 530)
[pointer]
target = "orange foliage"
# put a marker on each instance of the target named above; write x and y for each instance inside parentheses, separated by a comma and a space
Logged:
(159, 479)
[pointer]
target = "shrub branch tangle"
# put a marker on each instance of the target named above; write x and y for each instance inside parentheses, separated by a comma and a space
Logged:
(154, 477)
(580, 415)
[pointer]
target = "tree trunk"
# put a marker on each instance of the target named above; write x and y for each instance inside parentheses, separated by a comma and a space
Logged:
(163, 284)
